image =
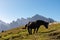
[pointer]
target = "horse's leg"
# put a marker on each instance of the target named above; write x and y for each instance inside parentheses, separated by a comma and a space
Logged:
(34, 31)
(37, 29)
(29, 30)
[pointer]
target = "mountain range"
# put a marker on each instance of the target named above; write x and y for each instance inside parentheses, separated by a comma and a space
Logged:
(20, 22)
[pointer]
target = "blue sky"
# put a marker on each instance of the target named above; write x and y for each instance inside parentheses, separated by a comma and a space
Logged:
(12, 9)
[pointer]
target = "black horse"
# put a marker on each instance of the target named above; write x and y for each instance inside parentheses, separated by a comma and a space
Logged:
(35, 25)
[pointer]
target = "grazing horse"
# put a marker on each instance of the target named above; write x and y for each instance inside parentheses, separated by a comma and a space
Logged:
(35, 25)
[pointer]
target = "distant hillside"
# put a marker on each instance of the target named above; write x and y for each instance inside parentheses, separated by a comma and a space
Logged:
(22, 21)
(3, 26)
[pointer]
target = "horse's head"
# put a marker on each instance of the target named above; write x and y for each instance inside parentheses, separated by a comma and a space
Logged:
(46, 25)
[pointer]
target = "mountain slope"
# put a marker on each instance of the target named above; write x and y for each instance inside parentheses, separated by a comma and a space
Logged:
(22, 21)
(52, 33)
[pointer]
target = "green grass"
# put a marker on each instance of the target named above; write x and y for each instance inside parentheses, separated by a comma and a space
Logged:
(22, 34)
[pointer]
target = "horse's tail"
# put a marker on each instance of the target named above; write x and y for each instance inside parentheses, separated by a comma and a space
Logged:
(25, 26)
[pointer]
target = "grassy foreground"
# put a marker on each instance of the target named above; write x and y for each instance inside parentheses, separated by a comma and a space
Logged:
(52, 33)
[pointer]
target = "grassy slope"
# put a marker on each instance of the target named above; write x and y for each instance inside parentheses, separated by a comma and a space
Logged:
(52, 33)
